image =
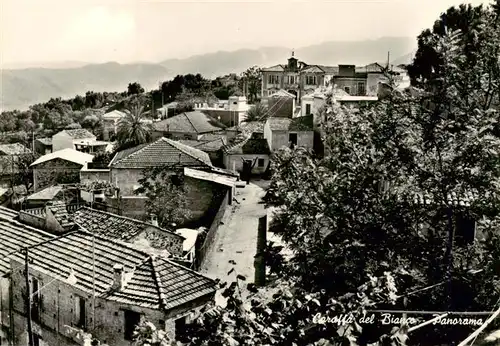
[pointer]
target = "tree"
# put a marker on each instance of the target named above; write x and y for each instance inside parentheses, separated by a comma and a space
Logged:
(465, 17)
(132, 130)
(166, 191)
(258, 112)
(94, 124)
(134, 89)
(251, 83)
(379, 205)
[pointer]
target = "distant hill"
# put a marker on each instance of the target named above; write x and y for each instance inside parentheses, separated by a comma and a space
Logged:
(23, 87)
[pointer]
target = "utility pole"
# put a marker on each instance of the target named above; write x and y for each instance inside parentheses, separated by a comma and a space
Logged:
(28, 297)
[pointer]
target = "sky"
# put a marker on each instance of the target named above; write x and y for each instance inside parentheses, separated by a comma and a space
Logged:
(154, 30)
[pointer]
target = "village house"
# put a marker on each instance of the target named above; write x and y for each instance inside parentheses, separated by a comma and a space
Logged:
(110, 122)
(40, 198)
(78, 139)
(10, 156)
(285, 132)
(188, 125)
(43, 146)
(88, 287)
(128, 166)
(229, 112)
(53, 217)
(300, 79)
(282, 104)
(253, 149)
(296, 77)
(60, 167)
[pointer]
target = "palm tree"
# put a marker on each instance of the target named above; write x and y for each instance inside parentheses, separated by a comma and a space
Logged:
(257, 113)
(132, 130)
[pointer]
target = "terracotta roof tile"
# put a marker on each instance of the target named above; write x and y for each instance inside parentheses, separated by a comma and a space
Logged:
(251, 145)
(114, 226)
(79, 133)
(189, 122)
(155, 283)
(164, 151)
(58, 209)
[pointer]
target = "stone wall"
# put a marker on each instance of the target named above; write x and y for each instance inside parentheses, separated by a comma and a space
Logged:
(204, 245)
(31, 219)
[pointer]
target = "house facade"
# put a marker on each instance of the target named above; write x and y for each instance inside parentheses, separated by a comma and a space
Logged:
(43, 146)
(296, 77)
(254, 149)
(96, 289)
(284, 132)
(302, 79)
(79, 139)
(110, 122)
(229, 112)
(60, 167)
(128, 166)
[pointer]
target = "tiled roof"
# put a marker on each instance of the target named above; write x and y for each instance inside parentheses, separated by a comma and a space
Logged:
(112, 225)
(15, 235)
(313, 69)
(13, 149)
(329, 69)
(247, 128)
(251, 145)
(45, 141)
(155, 283)
(276, 68)
(189, 122)
(58, 209)
(79, 133)
(67, 154)
(48, 193)
(304, 123)
(115, 114)
(164, 151)
(212, 136)
(207, 146)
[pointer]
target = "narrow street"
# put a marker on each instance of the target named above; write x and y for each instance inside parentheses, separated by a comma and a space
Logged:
(236, 239)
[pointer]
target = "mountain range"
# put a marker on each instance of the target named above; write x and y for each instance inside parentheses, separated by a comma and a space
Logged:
(23, 85)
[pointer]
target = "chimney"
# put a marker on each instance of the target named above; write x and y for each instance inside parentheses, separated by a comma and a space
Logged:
(118, 277)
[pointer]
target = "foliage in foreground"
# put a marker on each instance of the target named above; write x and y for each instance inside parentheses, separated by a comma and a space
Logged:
(375, 219)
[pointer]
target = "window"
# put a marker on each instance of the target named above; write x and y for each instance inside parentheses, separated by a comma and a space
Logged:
(308, 109)
(35, 299)
(260, 163)
(132, 319)
(80, 313)
(180, 325)
(36, 339)
(361, 89)
(274, 79)
(347, 90)
(292, 138)
(465, 231)
(176, 180)
(291, 79)
(310, 80)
